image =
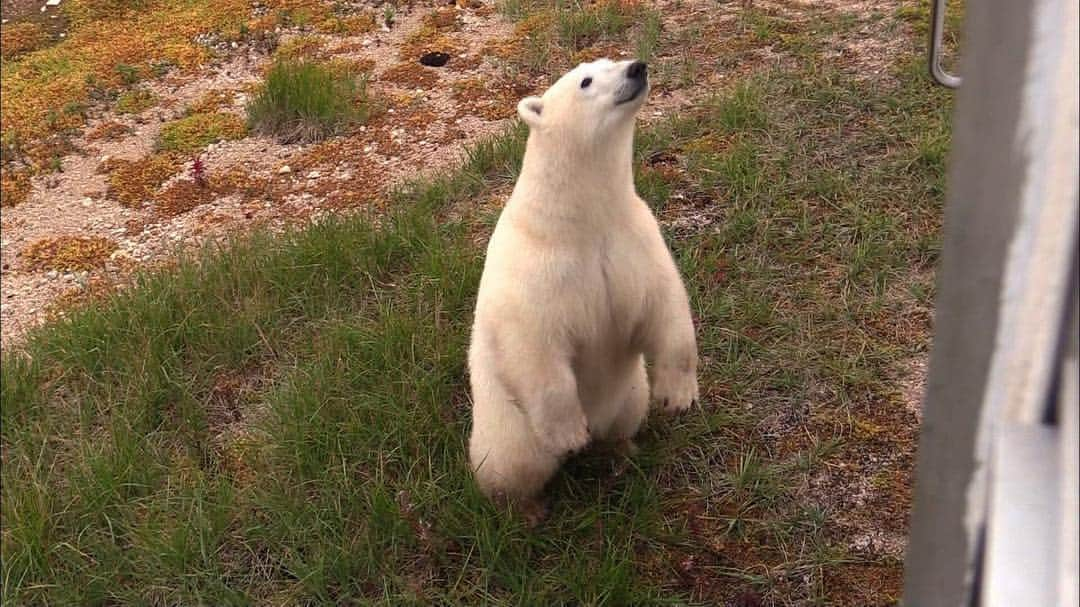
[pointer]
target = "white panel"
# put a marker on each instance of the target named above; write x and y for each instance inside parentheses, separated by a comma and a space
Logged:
(1069, 418)
(1022, 540)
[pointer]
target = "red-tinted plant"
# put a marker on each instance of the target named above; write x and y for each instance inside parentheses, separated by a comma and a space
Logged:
(198, 171)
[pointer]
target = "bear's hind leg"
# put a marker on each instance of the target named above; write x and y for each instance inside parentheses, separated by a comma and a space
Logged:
(632, 412)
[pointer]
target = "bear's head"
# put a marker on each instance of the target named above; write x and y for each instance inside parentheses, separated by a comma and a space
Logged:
(592, 102)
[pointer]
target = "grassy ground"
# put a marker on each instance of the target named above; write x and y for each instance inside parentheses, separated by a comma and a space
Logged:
(283, 421)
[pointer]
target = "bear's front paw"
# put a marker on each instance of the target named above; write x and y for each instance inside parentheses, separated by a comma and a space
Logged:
(564, 436)
(674, 390)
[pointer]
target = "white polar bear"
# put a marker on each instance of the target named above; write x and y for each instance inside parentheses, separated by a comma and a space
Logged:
(578, 290)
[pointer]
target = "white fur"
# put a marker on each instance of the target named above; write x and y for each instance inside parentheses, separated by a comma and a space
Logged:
(578, 289)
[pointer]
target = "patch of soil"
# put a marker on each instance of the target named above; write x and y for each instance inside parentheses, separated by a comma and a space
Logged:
(52, 20)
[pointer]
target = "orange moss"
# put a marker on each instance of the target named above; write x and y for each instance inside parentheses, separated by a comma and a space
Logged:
(348, 65)
(298, 13)
(300, 48)
(20, 38)
(135, 101)
(236, 180)
(14, 187)
(196, 131)
(442, 19)
(592, 53)
(132, 183)
(68, 253)
(486, 99)
(96, 288)
(43, 155)
(410, 74)
(535, 26)
(104, 53)
(182, 196)
(432, 35)
(212, 101)
(351, 25)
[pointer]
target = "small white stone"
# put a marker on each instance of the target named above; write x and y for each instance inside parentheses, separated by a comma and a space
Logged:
(52, 274)
(313, 175)
(284, 170)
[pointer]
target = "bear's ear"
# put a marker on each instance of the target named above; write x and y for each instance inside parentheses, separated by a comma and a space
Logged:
(530, 109)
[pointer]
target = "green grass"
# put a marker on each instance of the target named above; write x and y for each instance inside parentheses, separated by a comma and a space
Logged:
(578, 29)
(307, 101)
(648, 38)
(561, 31)
(283, 421)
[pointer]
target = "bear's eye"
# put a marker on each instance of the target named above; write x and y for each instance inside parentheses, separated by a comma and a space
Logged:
(586, 82)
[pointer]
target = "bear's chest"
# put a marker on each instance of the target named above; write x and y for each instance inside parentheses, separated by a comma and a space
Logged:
(612, 298)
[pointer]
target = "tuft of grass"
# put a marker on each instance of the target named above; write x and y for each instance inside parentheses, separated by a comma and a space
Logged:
(741, 109)
(196, 131)
(561, 33)
(648, 37)
(129, 74)
(306, 101)
(579, 29)
(135, 101)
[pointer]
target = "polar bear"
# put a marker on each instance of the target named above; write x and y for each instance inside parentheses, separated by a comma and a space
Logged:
(578, 291)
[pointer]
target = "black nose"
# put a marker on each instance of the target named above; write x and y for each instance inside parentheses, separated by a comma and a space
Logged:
(636, 70)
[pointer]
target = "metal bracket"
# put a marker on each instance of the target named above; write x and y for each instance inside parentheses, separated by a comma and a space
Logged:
(937, 30)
